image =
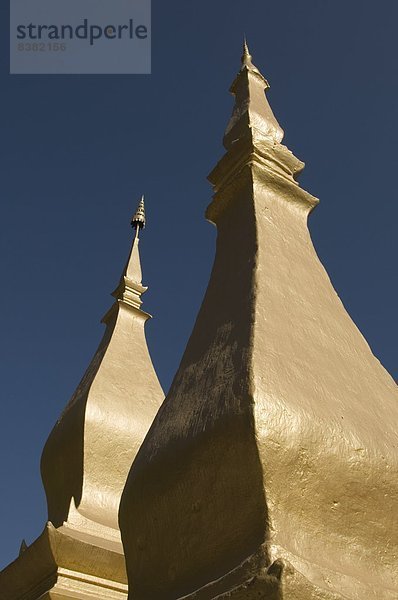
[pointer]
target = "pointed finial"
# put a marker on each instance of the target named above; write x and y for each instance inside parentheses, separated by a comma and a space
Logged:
(252, 115)
(138, 221)
(246, 57)
(130, 286)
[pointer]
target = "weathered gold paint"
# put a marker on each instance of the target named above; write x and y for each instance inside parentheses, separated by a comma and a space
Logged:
(270, 470)
(87, 457)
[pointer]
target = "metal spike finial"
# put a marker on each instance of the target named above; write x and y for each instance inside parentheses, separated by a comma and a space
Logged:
(245, 46)
(246, 56)
(138, 221)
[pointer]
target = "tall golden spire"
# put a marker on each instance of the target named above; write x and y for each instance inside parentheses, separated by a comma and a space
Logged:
(271, 467)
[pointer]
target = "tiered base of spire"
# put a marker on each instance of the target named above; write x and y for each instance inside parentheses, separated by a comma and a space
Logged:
(59, 566)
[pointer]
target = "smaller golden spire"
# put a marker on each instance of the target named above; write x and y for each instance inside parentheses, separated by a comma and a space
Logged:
(88, 455)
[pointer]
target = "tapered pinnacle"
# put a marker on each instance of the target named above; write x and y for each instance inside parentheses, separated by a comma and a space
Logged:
(246, 56)
(251, 113)
(138, 221)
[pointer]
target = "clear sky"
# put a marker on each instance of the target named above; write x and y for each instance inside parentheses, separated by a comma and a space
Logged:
(78, 151)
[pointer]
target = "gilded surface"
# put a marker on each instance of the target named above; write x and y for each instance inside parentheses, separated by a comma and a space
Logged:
(88, 455)
(60, 565)
(273, 461)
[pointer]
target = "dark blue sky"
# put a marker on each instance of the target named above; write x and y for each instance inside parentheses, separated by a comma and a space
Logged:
(77, 152)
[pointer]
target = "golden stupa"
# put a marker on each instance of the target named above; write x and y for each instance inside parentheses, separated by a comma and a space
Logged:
(269, 471)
